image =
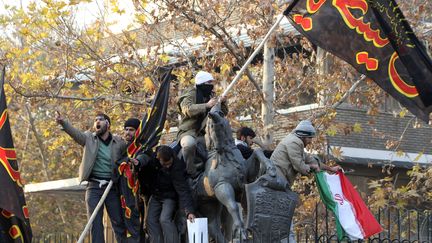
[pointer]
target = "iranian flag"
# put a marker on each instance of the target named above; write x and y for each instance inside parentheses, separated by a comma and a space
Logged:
(353, 218)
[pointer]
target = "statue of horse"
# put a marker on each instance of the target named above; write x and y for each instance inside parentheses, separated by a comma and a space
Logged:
(226, 172)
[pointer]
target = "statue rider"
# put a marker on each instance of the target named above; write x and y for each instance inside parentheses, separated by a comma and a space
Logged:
(194, 105)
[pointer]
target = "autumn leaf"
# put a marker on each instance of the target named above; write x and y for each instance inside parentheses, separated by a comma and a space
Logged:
(400, 153)
(357, 128)
(148, 84)
(331, 131)
(224, 68)
(403, 112)
(337, 152)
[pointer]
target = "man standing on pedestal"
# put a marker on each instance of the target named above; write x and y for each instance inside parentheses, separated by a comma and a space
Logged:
(101, 150)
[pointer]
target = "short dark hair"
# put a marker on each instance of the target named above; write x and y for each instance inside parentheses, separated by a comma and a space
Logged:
(245, 131)
(104, 116)
(165, 152)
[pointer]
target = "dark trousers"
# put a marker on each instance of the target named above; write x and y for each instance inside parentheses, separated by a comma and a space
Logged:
(113, 207)
(160, 220)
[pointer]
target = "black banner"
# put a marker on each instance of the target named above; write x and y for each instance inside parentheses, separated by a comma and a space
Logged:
(146, 137)
(14, 216)
(152, 125)
(374, 37)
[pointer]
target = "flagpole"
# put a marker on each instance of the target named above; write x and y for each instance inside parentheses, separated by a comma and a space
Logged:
(95, 211)
(249, 60)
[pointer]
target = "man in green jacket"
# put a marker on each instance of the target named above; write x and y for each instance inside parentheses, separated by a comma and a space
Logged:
(194, 105)
(101, 150)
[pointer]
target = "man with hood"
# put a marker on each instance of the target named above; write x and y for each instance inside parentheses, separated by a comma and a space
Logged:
(194, 105)
(291, 159)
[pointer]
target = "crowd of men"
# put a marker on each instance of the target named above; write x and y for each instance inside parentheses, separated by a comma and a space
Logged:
(164, 175)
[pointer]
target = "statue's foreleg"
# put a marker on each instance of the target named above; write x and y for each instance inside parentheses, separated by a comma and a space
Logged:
(253, 164)
(225, 194)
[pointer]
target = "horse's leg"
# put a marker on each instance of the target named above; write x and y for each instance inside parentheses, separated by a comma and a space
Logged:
(212, 210)
(225, 194)
(252, 165)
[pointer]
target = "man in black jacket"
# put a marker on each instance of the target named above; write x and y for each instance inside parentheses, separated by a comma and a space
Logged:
(245, 138)
(165, 177)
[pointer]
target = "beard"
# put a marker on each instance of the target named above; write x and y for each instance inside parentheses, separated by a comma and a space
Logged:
(129, 138)
(101, 129)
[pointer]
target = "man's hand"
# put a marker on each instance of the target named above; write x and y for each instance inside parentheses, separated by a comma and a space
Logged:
(223, 99)
(59, 118)
(335, 169)
(133, 161)
(191, 217)
(315, 167)
(212, 102)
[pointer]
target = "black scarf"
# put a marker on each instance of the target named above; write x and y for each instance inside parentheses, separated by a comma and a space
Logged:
(204, 93)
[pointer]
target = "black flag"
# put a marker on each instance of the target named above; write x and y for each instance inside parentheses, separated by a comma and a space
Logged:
(146, 137)
(374, 37)
(152, 125)
(14, 218)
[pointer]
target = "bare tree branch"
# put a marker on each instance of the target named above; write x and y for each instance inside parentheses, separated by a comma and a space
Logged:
(65, 97)
(342, 100)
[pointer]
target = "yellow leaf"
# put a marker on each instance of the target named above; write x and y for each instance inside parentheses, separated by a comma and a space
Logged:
(79, 61)
(46, 133)
(141, 18)
(224, 68)
(418, 156)
(400, 153)
(148, 84)
(164, 58)
(357, 128)
(331, 131)
(403, 112)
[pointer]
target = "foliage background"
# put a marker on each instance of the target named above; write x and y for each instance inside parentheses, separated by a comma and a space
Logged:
(53, 64)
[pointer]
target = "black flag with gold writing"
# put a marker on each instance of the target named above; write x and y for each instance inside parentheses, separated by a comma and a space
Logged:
(14, 216)
(374, 37)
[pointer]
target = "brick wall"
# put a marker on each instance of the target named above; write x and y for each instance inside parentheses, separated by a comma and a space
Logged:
(414, 139)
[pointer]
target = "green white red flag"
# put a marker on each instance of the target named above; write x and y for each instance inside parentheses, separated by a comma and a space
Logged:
(353, 217)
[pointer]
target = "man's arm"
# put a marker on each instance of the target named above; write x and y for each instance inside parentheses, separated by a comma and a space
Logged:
(190, 109)
(295, 154)
(141, 160)
(317, 165)
(77, 135)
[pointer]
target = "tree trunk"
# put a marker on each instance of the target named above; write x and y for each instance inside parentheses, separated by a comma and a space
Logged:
(267, 113)
(44, 158)
(325, 63)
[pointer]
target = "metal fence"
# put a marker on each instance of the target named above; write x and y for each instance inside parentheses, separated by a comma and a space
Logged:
(399, 226)
(58, 237)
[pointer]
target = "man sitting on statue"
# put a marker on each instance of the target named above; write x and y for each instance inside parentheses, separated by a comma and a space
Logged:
(165, 177)
(194, 105)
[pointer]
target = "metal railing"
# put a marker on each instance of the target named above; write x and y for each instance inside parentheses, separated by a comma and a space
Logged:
(399, 226)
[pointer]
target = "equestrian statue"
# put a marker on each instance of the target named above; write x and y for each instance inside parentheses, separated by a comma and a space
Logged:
(223, 180)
